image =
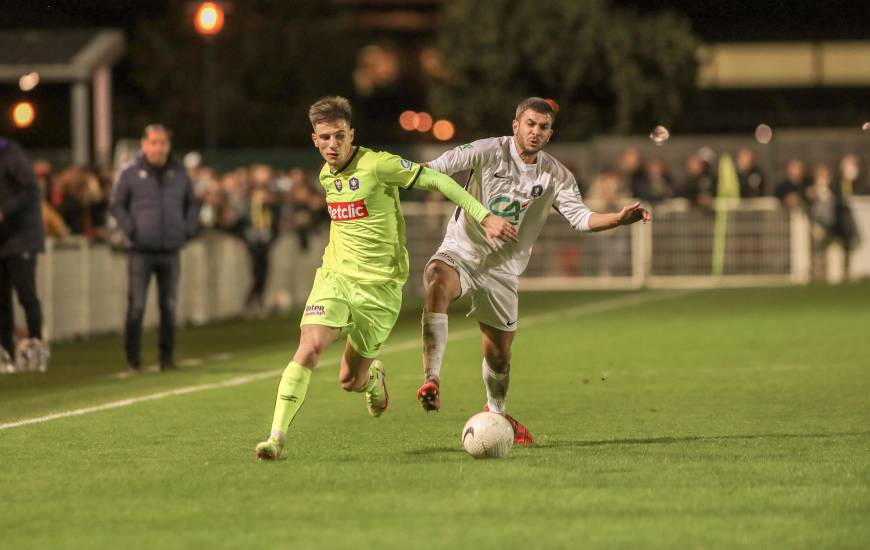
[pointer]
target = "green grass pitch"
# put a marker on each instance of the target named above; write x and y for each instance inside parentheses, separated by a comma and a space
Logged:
(664, 419)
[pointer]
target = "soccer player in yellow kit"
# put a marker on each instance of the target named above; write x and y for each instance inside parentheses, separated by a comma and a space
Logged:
(357, 291)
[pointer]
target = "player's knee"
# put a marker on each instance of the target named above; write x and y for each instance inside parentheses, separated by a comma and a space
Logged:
(438, 285)
(431, 276)
(308, 353)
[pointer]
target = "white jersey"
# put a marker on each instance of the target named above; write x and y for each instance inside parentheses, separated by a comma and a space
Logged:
(521, 193)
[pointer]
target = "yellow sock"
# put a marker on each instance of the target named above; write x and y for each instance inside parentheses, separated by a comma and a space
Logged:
(291, 394)
(374, 376)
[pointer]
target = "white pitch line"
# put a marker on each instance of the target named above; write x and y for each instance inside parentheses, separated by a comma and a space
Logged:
(576, 311)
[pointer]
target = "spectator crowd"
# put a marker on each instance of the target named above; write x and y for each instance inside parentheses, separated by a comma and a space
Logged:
(822, 190)
(256, 203)
(259, 203)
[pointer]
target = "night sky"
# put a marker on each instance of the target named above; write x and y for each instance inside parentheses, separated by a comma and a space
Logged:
(716, 20)
(713, 21)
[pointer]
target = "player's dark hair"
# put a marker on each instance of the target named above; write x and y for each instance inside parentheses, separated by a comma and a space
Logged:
(156, 127)
(537, 104)
(329, 109)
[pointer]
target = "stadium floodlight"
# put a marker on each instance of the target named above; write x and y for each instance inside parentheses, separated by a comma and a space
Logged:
(209, 18)
(23, 114)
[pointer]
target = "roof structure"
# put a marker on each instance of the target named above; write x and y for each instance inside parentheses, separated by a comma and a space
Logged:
(81, 57)
(58, 55)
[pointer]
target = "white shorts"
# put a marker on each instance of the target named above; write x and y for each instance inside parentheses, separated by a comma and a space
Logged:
(494, 300)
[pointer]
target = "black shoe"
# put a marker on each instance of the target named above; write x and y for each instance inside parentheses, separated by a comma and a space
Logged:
(167, 367)
(133, 369)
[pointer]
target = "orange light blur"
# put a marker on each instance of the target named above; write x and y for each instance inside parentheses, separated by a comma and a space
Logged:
(553, 105)
(23, 114)
(443, 130)
(424, 122)
(209, 18)
(408, 120)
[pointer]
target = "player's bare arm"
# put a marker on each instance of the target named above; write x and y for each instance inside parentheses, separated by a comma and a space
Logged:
(632, 213)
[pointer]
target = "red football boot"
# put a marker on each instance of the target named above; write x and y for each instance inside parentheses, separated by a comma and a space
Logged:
(522, 436)
(429, 396)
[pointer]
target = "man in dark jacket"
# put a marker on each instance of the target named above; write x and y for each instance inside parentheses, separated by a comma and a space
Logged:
(154, 204)
(21, 238)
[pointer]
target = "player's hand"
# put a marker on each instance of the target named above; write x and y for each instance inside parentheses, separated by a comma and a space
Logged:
(633, 213)
(497, 227)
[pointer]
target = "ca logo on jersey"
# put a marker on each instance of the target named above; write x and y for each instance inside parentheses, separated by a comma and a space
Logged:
(507, 208)
(338, 185)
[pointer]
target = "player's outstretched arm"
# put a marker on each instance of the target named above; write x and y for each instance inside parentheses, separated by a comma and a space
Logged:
(495, 227)
(632, 213)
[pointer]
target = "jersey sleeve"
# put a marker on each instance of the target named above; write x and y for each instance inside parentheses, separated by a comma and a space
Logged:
(462, 158)
(395, 171)
(570, 205)
(432, 180)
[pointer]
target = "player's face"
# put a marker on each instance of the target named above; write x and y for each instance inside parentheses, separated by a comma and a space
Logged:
(532, 130)
(334, 140)
(156, 147)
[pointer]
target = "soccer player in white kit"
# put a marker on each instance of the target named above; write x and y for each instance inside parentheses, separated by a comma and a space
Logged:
(516, 180)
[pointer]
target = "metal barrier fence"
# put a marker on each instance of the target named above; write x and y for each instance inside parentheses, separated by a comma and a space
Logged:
(83, 286)
(765, 244)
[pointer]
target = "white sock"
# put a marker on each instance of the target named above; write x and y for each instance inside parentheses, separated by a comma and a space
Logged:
(434, 343)
(496, 387)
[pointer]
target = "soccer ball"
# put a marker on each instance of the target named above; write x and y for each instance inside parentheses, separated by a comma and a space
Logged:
(488, 435)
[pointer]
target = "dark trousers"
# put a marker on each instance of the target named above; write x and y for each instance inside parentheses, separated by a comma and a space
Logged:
(18, 272)
(166, 267)
(259, 253)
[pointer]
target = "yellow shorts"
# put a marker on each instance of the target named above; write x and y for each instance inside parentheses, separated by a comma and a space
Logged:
(365, 312)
